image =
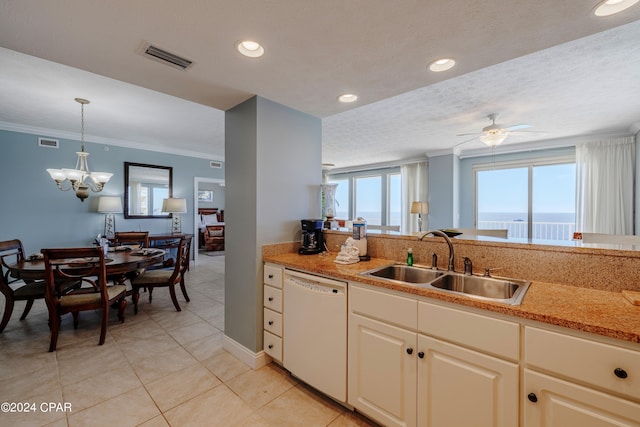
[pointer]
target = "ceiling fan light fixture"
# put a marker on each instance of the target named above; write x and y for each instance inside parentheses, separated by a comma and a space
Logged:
(611, 7)
(348, 97)
(494, 138)
(250, 48)
(442, 64)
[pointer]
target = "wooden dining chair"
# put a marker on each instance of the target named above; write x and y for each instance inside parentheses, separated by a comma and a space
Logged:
(125, 238)
(130, 238)
(166, 278)
(86, 265)
(12, 252)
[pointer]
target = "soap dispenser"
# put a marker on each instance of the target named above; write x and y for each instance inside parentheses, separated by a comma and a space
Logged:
(410, 257)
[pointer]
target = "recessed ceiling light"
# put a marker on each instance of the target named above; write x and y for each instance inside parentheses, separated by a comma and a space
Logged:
(250, 48)
(610, 7)
(348, 97)
(442, 65)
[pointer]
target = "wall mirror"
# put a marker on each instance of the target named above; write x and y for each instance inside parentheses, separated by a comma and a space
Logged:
(145, 186)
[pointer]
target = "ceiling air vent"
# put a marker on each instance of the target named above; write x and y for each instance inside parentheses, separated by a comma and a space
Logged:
(167, 57)
(48, 142)
(215, 165)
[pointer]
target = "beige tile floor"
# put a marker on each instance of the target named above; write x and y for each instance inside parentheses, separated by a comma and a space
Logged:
(159, 368)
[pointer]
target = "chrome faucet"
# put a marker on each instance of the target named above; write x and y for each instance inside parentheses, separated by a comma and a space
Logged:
(446, 238)
(468, 266)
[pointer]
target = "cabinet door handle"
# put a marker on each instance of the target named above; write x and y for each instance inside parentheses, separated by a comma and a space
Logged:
(270, 322)
(409, 350)
(532, 397)
(271, 276)
(620, 373)
(421, 354)
(270, 298)
(270, 345)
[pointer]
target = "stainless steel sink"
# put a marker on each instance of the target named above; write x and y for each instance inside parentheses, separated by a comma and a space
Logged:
(509, 291)
(404, 273)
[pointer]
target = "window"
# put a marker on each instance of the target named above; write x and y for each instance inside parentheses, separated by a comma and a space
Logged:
(369, 199)
(342, 198)
(374, 195)
(533, 199)
(394, 213)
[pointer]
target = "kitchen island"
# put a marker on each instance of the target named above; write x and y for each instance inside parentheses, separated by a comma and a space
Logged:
(566, 355)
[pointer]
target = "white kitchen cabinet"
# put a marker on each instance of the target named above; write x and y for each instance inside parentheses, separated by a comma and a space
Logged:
(272, 311)
(552, 402)
(400, 377)
(571, 380)
(462, 387)
(463, 377)
(382, 371)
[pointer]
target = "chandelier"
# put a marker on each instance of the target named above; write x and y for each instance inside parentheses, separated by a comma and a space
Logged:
(80, 179)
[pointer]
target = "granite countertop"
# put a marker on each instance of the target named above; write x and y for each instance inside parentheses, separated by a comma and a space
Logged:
(596, 311)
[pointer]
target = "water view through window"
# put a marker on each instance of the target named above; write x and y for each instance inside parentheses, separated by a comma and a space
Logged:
(506, 197)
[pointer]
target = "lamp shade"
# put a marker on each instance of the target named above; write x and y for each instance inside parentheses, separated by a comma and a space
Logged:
(109, 204)
(174, 205)
(419, 207)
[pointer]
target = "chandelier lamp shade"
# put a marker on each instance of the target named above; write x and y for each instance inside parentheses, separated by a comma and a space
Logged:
(175, 206)
(109, 205)
(80, 179)
(420, 208)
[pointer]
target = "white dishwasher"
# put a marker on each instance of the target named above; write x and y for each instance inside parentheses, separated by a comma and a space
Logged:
(315, 332)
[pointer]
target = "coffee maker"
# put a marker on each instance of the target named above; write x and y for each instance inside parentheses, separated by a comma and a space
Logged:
(312, 240)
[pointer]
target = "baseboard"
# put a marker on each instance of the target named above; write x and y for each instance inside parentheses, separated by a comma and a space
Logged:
(246, 356)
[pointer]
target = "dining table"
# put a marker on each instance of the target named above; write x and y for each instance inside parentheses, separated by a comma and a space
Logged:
(117, 263)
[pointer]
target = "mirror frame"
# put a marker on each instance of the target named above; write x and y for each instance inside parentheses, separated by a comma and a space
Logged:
(126, 188)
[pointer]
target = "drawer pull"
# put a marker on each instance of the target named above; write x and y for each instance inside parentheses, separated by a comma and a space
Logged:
(270, 345)
(270, 322)
(409, 350)
(532, 397)
(271, 276)
(421, 355)
(620, 373)
(270, 298)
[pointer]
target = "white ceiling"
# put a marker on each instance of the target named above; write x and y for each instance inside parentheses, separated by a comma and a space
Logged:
(546, 63)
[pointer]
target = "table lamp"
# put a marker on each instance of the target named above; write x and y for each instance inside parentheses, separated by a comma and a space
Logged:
(109, 205)
(419, 208)
(175, 206)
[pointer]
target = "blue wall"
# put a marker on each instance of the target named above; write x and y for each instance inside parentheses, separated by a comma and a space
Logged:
(36, 212)
(273, 153)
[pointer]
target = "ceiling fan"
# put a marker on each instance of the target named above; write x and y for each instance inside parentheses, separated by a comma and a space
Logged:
(494, 134)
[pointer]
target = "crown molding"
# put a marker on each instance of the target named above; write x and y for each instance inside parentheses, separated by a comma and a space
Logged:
(372, 166)
(531, 146)
(13, 127)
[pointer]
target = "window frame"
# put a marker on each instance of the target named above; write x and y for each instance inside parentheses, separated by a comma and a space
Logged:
(351, 177)
(513, 164)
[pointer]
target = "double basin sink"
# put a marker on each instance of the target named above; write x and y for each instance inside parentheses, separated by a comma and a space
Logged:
(507, 291)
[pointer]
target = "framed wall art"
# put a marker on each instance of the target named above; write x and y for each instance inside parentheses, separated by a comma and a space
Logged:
(205, 196)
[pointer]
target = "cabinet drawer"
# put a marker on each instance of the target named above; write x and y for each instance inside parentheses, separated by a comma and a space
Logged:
(383, 306)
(273, 298)
(584, 361)
(487, 334)
(273, 346)
(273, 276)
(273, 322)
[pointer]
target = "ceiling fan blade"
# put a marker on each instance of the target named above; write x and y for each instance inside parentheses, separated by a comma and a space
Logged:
(517, 127)
(469, 134)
